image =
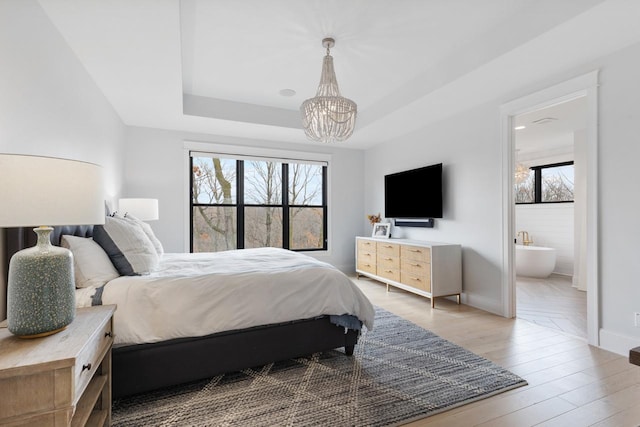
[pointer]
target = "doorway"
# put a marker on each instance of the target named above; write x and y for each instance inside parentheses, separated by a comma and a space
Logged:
(580, 87)
(550, 183)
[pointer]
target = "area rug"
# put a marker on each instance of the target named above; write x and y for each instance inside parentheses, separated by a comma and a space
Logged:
(399, 372)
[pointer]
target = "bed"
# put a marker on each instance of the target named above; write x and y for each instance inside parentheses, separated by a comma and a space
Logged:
(172, 357)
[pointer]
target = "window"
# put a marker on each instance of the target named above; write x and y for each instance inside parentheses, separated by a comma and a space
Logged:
(544, 184)
(250, 203)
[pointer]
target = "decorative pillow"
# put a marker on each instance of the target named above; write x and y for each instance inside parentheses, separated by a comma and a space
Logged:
(148, 231)
(127, 245)
(91, 265)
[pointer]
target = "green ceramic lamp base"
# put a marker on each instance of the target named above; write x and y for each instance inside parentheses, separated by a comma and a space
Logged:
(41, 289)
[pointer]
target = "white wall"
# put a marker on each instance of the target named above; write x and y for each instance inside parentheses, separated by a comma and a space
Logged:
(619, 205)
(154, 167)
(48, 103)
(469, 146)
(550, 225)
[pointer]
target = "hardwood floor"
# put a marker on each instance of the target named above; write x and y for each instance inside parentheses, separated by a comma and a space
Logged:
(552, 302)
(570, 382)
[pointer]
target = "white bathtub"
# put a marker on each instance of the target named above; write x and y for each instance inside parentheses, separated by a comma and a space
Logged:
(535, 261)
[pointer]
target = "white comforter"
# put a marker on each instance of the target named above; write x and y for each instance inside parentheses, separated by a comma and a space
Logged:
(200, 294)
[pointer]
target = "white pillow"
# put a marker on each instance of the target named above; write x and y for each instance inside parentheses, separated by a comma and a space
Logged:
(127, 245)
(148, 231)
(91, 265)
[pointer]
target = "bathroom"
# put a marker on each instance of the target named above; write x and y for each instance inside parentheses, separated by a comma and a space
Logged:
(550, 150)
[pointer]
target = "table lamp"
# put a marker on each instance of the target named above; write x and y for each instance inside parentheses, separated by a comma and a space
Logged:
(34, 191)
(143, 209)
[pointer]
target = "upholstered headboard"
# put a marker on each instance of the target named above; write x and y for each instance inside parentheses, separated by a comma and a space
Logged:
(24, 237)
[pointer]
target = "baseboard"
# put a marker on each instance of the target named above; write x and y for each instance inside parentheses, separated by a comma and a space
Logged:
(482, 303)
(618, 343)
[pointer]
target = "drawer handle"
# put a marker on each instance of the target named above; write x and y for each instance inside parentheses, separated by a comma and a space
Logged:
(108, 334)
(388, 246)
(415, 265)
(415, 278)
(87, 367)
(415, 250)
(388, 259)
(367, 265)
(388, 271)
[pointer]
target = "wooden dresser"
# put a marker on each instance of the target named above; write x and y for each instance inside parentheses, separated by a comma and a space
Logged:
(60, 380)
(426, 268)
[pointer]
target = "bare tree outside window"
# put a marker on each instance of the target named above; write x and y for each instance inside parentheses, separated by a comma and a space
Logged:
(557, 184)
(524, 184)
(276, 212)
(544, 184)
(213, 183)
(263, 187)
(305, 191)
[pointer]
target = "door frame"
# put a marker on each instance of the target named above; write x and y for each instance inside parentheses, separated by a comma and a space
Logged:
(584, 85)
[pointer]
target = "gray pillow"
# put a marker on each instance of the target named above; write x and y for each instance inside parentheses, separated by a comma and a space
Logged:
(127, 246)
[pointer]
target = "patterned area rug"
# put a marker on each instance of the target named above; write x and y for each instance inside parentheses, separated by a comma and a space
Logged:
(399, 372)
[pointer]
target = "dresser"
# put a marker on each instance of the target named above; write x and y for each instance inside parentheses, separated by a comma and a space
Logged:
(62, 379)
(429, 269)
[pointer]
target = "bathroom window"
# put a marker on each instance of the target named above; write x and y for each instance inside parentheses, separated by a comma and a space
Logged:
(551, 183)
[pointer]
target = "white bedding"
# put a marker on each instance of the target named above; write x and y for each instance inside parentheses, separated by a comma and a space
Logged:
(199, 294)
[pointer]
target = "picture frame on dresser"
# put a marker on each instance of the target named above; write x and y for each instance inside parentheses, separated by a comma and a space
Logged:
(381, 230)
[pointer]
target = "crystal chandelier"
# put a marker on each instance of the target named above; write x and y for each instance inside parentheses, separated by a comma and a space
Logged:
(328, 117)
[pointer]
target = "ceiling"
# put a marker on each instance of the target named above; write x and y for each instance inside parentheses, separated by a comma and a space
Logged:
(549, 132)
(218, 66)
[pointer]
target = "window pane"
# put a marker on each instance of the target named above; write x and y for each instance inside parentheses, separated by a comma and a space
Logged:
(306, 230)
(557, 184)
(524, 184)
(214, 228)
(262, 183)
(262, 227)
(305, 184)
(214, 180)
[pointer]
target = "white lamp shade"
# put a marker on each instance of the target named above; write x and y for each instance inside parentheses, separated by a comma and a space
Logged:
(49, 191)
(143, 209)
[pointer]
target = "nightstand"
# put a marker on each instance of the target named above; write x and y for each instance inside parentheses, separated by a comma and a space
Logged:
(60, 380)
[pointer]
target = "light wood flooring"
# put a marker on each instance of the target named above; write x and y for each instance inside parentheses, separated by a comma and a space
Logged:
(552, 302)
(570, 383)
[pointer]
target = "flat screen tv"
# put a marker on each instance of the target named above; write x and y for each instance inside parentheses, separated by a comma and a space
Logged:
(415, 193)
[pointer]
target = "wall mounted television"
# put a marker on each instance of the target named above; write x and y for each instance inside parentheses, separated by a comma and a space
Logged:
(414, 194)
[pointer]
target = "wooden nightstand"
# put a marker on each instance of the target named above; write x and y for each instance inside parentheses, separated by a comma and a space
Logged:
(60, 380)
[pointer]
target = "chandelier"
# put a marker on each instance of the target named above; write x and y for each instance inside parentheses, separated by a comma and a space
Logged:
(328, 117)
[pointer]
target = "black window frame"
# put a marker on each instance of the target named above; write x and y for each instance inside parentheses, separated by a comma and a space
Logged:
(240, 203)
(537, 184)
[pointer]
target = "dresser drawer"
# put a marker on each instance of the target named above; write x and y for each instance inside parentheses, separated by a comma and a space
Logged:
(416, 253)
(422, 282)
(389, 249)
(368, 266)
(89, 359)
(386, 261)
(366, 246)
(389, 273)
(415, 267)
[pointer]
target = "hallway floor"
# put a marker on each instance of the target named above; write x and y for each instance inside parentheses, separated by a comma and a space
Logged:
(553, 303)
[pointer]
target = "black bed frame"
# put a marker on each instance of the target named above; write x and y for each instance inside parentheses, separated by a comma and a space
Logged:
(145, 367)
